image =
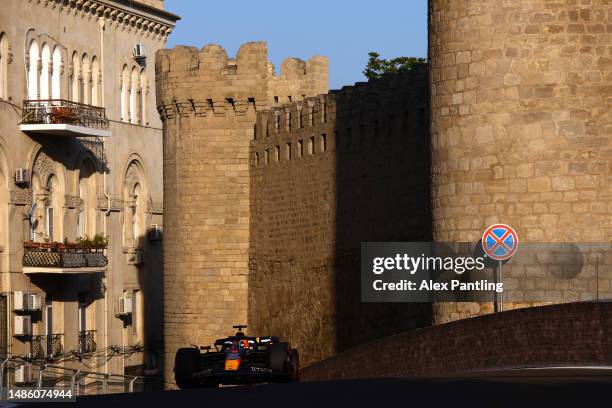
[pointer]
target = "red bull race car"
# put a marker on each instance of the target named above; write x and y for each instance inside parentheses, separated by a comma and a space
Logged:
(236, 359)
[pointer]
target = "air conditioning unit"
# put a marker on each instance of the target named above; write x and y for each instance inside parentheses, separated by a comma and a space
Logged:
(155, 233)
(125, 306)
(21, 176)
(140, 51)
(26, 301)
(23, 374)
(136, 257)
(23, 326)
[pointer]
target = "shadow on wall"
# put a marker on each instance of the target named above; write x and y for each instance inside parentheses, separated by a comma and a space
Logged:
(150, 328)
(329, 173)
(383, 195)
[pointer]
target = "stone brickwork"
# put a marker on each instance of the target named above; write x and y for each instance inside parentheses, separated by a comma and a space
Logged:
(207, 103)
(521, 121)
(328, 173)
(570, 335)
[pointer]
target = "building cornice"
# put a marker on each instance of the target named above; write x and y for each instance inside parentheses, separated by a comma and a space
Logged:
(124, 13)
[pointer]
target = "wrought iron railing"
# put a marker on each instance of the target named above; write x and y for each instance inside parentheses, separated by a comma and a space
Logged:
(87, 342)
(61, 256)
(47, 346)
(60, 111)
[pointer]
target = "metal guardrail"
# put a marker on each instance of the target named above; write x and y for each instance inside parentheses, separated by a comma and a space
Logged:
(47, 346)
(87, 343)
(81, 382)
(64, 258)
(61, 111)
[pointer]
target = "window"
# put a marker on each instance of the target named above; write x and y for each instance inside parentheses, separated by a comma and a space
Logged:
(4, 51)
(44, 72)
(277, 123)
(48, 315)
(311, 149)
(125, 85)
(277, 150)
(134, 213)
(267, 156)
(142, 107)
(56, 86)
(49, 211)
(95, 82)
(33, 70)
(288, 149)
(324, 112)
(76, 75)
(82, 318)
(134, 97)
(276, 100)
(289, 121)
(81, 222)
(257, 159)
(300, 148)
(85, 84)
(323, 142)
(300, 114)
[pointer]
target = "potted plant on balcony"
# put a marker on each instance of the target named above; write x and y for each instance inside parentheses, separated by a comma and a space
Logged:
(62, 114)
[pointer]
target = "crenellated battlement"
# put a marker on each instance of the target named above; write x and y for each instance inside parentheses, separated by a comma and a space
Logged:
(367, 104)
(190, 80)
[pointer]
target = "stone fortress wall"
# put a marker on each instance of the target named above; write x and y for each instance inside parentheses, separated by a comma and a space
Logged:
(328, 173)
(207, 103)
(521, 112)
(265, 212)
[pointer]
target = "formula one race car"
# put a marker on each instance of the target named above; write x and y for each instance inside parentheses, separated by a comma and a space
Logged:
(236, 360)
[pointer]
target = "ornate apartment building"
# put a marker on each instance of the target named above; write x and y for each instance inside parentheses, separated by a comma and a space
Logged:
(81, 197)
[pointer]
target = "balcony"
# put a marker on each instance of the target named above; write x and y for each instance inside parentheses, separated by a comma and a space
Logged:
(56, 258)
(87, 343)
(47, 346)
(60, 117)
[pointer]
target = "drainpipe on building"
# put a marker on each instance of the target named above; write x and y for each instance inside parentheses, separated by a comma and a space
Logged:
(101, 25)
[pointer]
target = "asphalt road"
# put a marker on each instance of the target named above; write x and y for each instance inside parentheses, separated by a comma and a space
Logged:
(516, 388)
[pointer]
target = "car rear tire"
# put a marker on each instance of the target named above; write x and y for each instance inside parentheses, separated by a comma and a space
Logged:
(293, 366)
(186, 365)
(284, 362)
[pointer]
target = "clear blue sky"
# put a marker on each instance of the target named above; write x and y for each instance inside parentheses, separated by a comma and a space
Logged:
(343, 30)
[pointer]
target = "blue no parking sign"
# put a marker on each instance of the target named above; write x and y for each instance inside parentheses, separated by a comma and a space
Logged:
(500, 242)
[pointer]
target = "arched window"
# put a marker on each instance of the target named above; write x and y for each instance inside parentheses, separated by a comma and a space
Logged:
(33, 71)
(142, 107)
(85, 92)
(50, 208)
(95, 82)
(125, 80)
(44, 72)
(76, 77)
(134, 227)
(86, 220)
(81, 218)
(134, 96)
(56, 83)
(135, 196)
(4, 51)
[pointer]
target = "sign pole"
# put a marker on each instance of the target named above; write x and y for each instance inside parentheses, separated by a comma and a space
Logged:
(499, 303)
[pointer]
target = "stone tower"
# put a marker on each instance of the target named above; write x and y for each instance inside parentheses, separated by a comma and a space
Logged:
(208, 106)
(521, 120)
